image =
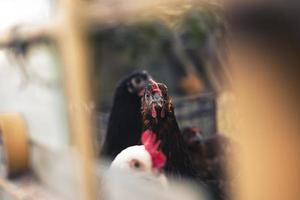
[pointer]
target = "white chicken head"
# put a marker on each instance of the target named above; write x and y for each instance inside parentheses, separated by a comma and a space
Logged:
(135, 158)
(141, 158)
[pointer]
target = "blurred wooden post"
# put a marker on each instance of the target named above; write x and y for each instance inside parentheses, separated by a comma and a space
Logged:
(72, 41)
(267, 159)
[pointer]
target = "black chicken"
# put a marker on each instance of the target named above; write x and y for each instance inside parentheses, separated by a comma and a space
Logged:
(125, 121)
(158, 116)
(209, 157)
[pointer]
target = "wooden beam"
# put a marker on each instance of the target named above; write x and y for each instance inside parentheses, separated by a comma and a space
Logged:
(73, 46)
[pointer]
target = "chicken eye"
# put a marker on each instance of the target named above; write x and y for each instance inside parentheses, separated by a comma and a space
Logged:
(137, 165)
(138, 80)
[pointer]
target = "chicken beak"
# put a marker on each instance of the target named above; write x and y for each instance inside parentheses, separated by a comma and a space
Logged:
(157, 99)
(153, 95)
(153, 98)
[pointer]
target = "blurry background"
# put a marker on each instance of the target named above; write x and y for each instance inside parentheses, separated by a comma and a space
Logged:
(177, 47)
(231, 68)
(176, 44)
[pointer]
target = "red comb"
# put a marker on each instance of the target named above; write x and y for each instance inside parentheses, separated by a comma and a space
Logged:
(151, 145)
(154, 86)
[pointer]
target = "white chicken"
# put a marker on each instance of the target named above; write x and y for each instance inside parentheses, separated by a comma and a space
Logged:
(144, 161)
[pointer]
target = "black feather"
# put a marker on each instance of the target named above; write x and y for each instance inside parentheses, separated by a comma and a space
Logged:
(209, 157)
(125, 121)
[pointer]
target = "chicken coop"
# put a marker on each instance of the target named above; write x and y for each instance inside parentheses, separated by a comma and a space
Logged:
(90, 86)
